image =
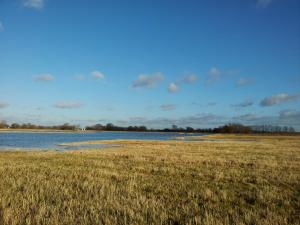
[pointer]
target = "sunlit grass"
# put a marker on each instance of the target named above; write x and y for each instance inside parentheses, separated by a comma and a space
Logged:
(150, 182)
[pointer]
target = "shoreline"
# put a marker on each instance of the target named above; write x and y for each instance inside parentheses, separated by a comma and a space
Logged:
(211, 139)
(201, 135)
(37, 131)
(85, 131)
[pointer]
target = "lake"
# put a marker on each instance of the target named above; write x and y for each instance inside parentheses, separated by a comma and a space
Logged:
(35, 140)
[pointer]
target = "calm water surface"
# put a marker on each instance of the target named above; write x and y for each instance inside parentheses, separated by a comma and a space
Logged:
(13, 140)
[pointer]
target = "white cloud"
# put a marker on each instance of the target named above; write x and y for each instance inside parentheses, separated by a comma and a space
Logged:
(1, 27)
(279, 99)
(173, 88)
(263, 3)
(35, 4)
(244, 81)
(47, 77)
(68, 105)
(3, 105)
(97, 75)
(189, 79)
(148, 81)
(168, 107)
(214, 75)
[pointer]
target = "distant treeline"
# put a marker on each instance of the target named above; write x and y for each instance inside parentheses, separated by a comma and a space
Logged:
(65, 126)
(228, 128)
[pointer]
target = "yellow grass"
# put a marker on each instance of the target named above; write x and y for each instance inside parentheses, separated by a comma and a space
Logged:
(152, 182)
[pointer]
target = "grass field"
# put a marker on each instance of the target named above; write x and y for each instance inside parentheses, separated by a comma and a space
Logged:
(242, 180)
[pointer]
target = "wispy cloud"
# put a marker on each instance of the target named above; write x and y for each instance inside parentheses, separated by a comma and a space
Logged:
(1, 26)
(284, 118)
(97, 75)
(249, 117)
(79, 77)
(245, 81)
(201, 119)
(279, 99)
(211, 104)
(243, 104)
(263, 3)
(35, 4)
(148, 81)
(168, 107)
(173, 88)
(3, 105)
(186, 79)
(290, 115)
(288, 118)
(214, 75)
(68, 105)
(44, 77)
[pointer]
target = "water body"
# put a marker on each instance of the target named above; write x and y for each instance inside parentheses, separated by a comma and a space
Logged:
(33, 140)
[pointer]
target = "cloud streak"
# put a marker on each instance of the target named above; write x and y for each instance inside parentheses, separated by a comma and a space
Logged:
(290, 115)
(97, 75)
(186, 79)
(263, 3)
(244, 81)
(1, 26)
(210, 120)
(44, 77)
(189, 79)
(173, 88)
(211, 104)
(214, 75)
(279, 99)
(68, 105)
(168, 107)
(244, 104)
(35, 4)
(148, 81)
(79, 77)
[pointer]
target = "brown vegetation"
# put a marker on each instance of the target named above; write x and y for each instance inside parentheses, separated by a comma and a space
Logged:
(151, 182)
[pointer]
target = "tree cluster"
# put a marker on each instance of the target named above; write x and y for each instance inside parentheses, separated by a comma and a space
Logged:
(228, 128)
(3, 125)
(233, 128)
(65, 126)
(111, 127)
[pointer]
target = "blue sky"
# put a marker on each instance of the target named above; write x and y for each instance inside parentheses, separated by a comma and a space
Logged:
(159, 62)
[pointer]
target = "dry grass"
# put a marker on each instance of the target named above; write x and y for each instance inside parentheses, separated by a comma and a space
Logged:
(151, 182)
